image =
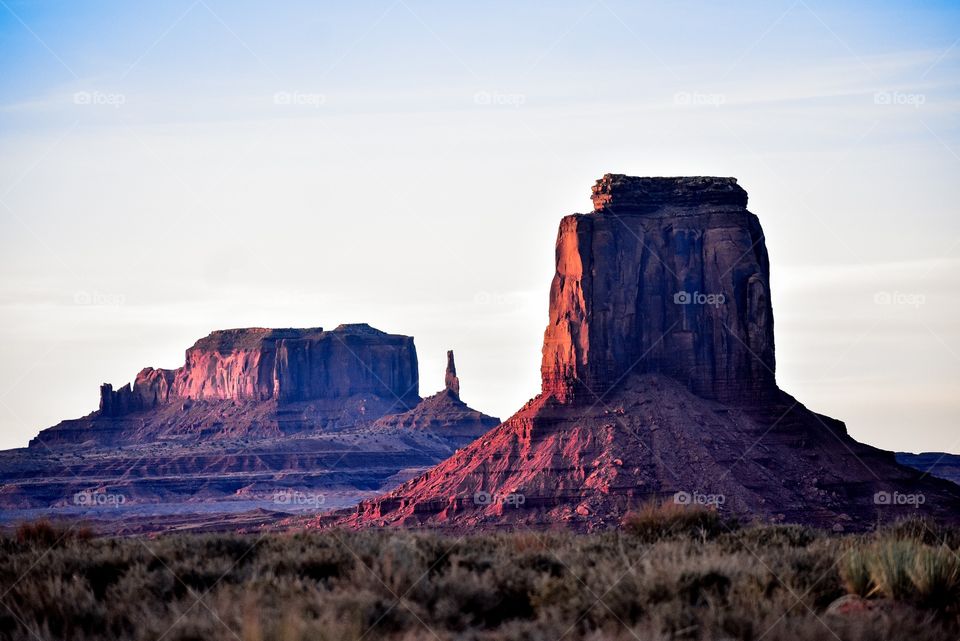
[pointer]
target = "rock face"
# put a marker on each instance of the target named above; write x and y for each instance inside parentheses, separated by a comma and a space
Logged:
(658, 384)
(286, 365)
(668, 275)
(450, 380)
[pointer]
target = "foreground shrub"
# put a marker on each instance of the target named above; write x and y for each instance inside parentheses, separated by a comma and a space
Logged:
(891, 563)
(903, 569)
(773, 583)
(43, 533)
(655, 521)
(936, 578)
(855, 572)
(921, 529)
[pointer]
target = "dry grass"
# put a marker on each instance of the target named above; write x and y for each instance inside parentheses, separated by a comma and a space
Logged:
(694, 580)
(44, 533)
(936, 578)
(656, 521)
(913, 561)
(855, 572)
(890, 563)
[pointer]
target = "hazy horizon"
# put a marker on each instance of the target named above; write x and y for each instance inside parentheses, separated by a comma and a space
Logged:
(209, 165)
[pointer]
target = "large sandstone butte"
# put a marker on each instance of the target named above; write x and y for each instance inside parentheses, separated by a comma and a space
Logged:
(251, 413)
(659, 384)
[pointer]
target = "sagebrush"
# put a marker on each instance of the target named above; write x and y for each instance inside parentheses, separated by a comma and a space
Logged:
(690, 577)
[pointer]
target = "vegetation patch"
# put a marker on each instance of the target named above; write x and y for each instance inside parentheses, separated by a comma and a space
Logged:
(666, 574)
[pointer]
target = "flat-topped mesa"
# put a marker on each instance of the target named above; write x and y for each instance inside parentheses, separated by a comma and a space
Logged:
(620, 194)
(287, 365)
(683, 290)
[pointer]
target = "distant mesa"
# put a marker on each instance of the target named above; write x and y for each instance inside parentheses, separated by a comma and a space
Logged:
(285, 365)
(288, 381)
(253, 412)
(939, 464)
(658, 384)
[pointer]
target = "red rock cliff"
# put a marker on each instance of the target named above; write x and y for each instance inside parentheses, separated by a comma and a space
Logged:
(284, 364)
(667, 275)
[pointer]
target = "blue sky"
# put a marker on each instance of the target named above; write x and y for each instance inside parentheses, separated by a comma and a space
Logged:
(171, 168)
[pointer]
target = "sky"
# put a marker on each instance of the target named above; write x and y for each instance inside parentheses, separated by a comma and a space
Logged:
(172, 168)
